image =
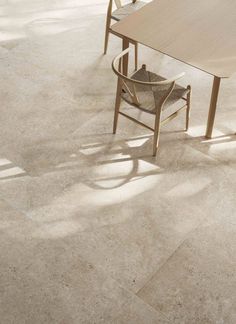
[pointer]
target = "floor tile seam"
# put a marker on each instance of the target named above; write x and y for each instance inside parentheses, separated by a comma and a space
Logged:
(14, 208)
(214, 158)
(89, 121)
(212, 162)
(211, 158)
(169, 258)
(130, 292)
(101, 270)
(186, 238)
(98, 268)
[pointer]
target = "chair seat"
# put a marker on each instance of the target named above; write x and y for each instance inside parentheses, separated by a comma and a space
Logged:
(126, 10)
(150, 97)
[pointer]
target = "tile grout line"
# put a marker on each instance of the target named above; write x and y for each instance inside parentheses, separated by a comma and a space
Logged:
(172, 254)
(22, 212)
(157, 311)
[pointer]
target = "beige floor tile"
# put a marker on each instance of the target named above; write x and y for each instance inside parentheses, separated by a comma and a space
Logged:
(197, 284)
(45, 281)
(88, 218)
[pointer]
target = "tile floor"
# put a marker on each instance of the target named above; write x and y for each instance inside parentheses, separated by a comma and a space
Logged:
(93, 229)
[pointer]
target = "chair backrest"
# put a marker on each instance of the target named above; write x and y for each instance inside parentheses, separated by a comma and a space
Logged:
(138, 89)
(119, 5)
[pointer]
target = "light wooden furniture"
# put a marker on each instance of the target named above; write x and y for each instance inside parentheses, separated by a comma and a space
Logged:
(117, 15)
(200, 33)
(150, 93)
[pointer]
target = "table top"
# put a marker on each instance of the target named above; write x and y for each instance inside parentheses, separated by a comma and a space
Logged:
(201, 33)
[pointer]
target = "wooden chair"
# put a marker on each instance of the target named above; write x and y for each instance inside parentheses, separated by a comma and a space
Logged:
(118, 14)
(150, 93)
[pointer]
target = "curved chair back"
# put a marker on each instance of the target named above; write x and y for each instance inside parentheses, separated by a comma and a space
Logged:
(143, 84)
(119, 5)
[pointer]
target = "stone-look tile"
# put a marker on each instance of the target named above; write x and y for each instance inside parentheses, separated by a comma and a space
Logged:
(89, 213)
(100, 193)
(97, 215)
(106, 199)
(198, 283)
(45, 281)
(132, 236)
(57, 289)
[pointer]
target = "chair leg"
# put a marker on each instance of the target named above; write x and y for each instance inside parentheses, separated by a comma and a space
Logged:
(107, 32)
(117, 105)
(188, 107)
(106, 40)
(136, 56)
(156, 132)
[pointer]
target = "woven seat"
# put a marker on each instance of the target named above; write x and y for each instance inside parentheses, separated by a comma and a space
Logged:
(126, 10)
(151, 97)
(151, 93)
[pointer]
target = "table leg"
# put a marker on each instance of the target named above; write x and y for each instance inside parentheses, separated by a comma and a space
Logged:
(126, 57)
(213, 104)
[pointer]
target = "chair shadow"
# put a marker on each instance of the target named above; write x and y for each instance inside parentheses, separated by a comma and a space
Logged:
(115, 153)
(105, 150)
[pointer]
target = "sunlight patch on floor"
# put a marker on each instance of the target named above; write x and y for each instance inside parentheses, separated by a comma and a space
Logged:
(223, 146)
(92, 148)
(48, 27)
(120, 194)
(137, 142)
(197, 131)
(6, 36)
(58, 229)
(4, 162)
(11, 172)
(8, 170)
(189, 188)
(217, 139)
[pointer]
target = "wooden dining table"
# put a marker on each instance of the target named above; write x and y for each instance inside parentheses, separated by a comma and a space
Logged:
(199, 33)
